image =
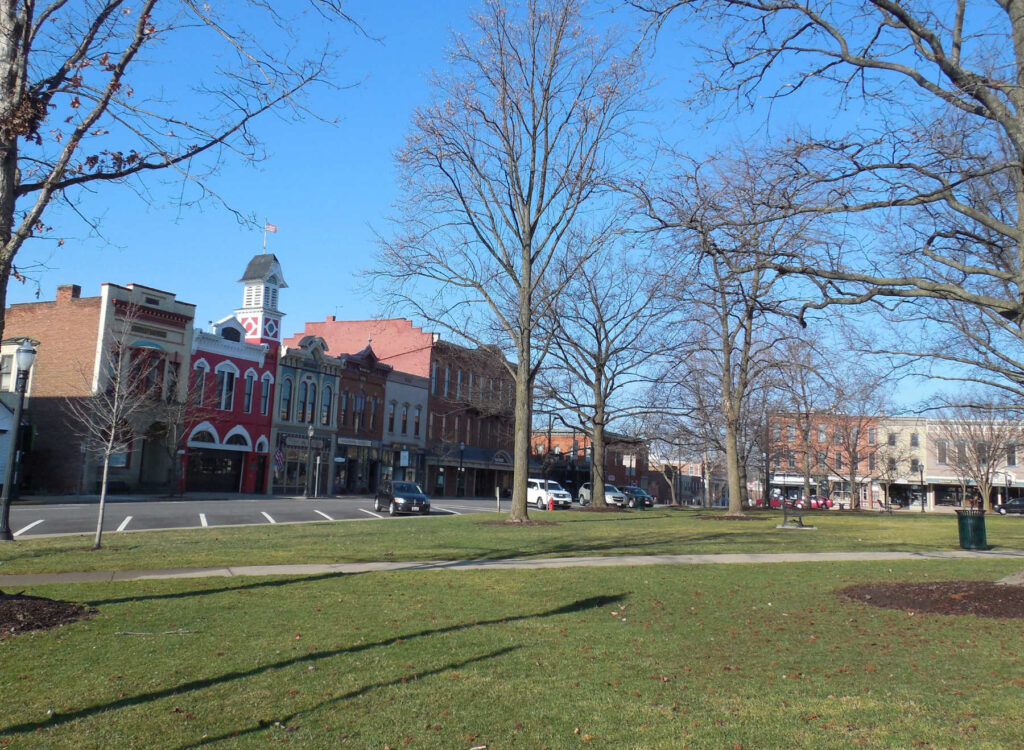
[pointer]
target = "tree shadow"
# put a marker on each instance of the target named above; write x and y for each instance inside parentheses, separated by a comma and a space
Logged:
(57, 719)
(277, 582)
(286, 719)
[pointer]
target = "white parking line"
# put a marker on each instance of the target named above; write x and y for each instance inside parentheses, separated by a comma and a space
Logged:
(31, 525)
(447, 510)
(370, 512)
(124, 523)
(267, 516)
(202, 520)
(323, 514)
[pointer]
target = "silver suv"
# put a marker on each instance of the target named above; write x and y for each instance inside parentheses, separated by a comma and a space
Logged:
(612, 495)
(540, 491)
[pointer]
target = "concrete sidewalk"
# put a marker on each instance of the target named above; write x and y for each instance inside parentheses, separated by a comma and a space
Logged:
(35, 579)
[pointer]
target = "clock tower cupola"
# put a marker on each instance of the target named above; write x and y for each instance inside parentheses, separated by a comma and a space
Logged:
(259, 314)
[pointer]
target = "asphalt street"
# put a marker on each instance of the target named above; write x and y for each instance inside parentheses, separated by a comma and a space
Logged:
(135, 515)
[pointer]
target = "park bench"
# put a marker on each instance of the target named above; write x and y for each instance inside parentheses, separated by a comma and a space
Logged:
(792, 514)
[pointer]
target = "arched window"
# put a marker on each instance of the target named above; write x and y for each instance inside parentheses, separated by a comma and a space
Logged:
(237, 440)
(203, 436)
(250, 386)
(303, 392)
(357, 410)
(325, 405)
(286, 400)
(405, 418)
(265, 393)
(391, 417)
(311, 404)
(199, 384)
(343, 409)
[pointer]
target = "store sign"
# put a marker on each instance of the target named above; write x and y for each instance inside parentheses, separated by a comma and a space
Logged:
(403, 459)
(355, 442)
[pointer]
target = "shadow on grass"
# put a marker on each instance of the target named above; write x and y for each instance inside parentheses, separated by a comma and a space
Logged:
(56, 719)
(221, 589)
(283, 721)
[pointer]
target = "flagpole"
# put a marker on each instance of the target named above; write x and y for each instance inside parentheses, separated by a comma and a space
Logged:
(264, 235)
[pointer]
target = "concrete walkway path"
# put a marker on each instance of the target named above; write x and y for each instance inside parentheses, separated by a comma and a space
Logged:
(306, 569)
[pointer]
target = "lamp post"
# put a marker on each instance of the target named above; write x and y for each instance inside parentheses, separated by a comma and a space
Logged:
(460, 489)
(24, 356)
(309, 456)
(1006, 497)
(924, 490)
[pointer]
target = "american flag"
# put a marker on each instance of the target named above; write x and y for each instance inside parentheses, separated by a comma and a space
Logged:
(268, 227)
(279, 459)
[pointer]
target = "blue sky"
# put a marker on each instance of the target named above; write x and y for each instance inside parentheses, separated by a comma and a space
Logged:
(324, 185)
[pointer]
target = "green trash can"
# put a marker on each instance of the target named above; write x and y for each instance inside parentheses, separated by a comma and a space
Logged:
(971, 524)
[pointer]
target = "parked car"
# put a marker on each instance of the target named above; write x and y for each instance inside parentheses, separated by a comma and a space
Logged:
(636, 496)
(818, 502)
(401, 497)
(1016, 505)
(540, 491)
(612, 495)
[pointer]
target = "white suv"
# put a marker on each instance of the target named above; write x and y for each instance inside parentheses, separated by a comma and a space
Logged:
(539, 491)
(612, 495)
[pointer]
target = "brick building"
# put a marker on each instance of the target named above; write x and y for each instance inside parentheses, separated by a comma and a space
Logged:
(468, 421)
(75, 336)
(231, 395)
(565, 455)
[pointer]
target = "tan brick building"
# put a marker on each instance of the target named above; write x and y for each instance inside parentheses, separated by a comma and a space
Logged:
(74, 332)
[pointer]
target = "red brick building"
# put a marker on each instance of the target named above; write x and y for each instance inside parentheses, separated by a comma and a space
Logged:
(469, 409)
(74, 334)
(233, 373)
(564, 455)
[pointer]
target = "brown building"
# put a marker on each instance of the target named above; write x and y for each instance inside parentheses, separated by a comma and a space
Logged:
(564, 455)
(75, 334)
(469, 404)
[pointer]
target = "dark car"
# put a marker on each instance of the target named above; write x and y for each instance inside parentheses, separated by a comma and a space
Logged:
(1014, 506)
(401, 497)
(635, 496)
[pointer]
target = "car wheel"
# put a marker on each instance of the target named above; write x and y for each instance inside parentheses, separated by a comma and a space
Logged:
(392, 509)
(540, 504)
(376, 505)
(1002, 511)
(632, 503)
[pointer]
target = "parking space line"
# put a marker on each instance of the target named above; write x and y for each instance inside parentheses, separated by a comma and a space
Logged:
(267, 516)
(26, 528)
(447, 510)
(202, 520)
(370, 512)
(320, 512)
(124, 523)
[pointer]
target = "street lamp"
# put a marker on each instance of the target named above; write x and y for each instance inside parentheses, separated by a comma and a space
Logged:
(309, 456)
(460, 490)
(924, 490)
(24, 356)
(1006, 497)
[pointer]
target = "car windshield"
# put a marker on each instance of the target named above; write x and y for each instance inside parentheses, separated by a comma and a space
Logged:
(408, 487)
(553, 486)
(635, 490)
(611, 488)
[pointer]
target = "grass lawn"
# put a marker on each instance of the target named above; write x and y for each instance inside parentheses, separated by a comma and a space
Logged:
(649, 657)
(662, 531)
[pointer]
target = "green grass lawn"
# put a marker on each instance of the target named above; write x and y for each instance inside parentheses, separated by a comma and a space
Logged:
(662, 531)
(649, 657)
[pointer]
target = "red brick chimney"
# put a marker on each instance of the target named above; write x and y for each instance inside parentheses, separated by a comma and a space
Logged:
(68, 292)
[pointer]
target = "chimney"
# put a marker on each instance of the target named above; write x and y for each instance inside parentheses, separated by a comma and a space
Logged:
(68, 292)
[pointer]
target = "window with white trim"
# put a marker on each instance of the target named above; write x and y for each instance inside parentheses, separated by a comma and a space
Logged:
(250, 386)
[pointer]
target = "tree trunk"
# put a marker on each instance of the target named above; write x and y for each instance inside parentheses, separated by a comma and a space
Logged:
(103, 501)
(597, 454)
(732, 467)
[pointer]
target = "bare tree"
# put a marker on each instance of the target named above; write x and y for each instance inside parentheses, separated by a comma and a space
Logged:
(527, 130)
(977, 440)
(935, 167)
(81, 107)
(606, 333)
(733, 296)
(111, 419)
